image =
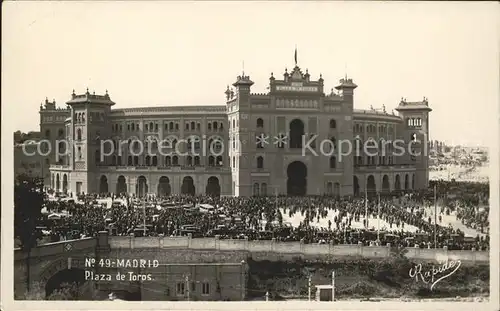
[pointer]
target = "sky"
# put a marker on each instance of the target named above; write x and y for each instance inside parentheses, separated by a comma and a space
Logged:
(186, 53)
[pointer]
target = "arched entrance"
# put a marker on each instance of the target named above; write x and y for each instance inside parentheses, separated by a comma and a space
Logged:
(65, 183)
(336, 189)
(58, 182)
(68, 282)
(407, 181)
(296, 133)
(164, 188)
(397, 183)
(355, 185)
(213, 187)
(297, 179)
(371, 186)
(103, 184)
(386, 188)
(142, 186)
(121, 185)
(188, 186)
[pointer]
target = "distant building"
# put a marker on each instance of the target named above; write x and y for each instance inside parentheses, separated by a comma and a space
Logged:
(28, 160)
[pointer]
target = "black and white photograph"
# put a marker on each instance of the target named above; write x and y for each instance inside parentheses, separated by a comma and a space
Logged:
(291, 155)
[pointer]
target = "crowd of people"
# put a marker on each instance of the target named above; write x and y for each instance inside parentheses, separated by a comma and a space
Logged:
(265, 217)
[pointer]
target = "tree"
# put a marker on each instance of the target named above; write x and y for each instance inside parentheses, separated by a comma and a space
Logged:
(28, 202)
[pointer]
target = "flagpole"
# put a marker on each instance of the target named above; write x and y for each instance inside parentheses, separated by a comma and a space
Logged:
(435, 216)
(378, 218)
(366, 209)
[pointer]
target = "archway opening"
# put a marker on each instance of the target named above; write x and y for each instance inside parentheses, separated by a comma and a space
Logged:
(58, 183)
(142, 186)
(65, 183)
(336, 189)
(188, 186)
(386, 188)
(164, 188)
(296, 133)
(213, 187)
(297, 179)
(121, 185)
(68, 283)
(407, 181)
(397, 183)
(355, 183)
(371, 186)
(103, 184)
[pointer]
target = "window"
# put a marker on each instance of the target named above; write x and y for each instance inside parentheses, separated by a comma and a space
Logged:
(146, 126)
(129, 161)
(209, 126)
(205, 288)
(176, 126)
(192, 126)
(211, 161)
(234, 126)
(180, 289)
(175, 160)
(260, 162)
(221, 127)
(218, 161)
(214, 125)
(198, 126)
(196, 160)
(260, 123)
(171, 126)
(234, 161)
(47, 134)
(133, 126)
(333, 124)
(80, 153)
(189, 161)
(187, 126)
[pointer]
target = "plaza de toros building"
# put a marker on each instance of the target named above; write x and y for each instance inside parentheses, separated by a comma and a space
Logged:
(254, 144)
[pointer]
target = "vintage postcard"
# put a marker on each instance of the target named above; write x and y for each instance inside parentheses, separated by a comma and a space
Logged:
(250, 155)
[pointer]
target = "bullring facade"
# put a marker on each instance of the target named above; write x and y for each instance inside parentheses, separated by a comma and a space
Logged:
(260, 142)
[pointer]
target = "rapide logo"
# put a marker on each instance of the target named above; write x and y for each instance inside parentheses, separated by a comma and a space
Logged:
(436, 274)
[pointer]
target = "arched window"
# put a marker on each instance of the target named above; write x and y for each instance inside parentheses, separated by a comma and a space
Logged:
(255, 189)
(260, 123)
(209, 126)
(198, 126)
(129, 161)
(136, 160)
(79, 134)
(146, 125)
(263, 189)
(333, 162)
(133, 126)
(168, 161)
(215, 126)
(187, 126)
(171, 126)
(193, 126)
(175, 160)
(154, 161)
(234, 126)
(211, 161)
(221, 127)
(83, 117)
(148, 161)
(333, 124)
(260, 162)
(176, 126)
(234, 162)
(196, 160)
(189, 161)
(218, 161)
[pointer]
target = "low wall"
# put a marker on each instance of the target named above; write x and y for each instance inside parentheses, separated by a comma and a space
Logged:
(290, 248)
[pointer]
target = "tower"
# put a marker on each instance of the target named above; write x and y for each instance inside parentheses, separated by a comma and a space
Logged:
(238, 104)
(415, 116)
(89, 126)
(346, 89)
